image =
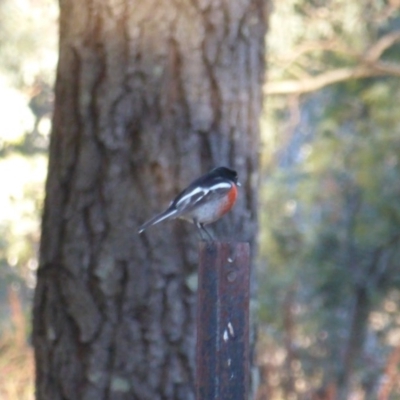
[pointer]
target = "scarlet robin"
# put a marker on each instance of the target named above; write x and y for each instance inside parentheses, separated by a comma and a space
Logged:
(205, 200)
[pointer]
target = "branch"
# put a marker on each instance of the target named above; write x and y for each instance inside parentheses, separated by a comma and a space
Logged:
(328, 78)
(317, 82)
(370, 66)
(374, 52)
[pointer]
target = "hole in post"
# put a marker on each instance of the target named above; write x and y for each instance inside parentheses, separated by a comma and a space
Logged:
(231, 276)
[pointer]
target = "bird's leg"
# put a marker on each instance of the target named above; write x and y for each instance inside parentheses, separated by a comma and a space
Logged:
(199, 229)
(206, 231)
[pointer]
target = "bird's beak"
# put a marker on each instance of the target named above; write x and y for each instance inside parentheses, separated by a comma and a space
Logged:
(238, 184)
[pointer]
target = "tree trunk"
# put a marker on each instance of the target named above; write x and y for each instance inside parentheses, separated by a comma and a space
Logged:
(149, 95)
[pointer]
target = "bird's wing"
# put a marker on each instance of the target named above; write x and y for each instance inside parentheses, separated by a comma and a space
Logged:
(193, 197)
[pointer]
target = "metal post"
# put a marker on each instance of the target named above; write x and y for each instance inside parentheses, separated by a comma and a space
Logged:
(222, 353)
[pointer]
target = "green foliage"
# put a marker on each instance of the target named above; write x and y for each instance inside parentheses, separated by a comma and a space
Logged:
(330, 207)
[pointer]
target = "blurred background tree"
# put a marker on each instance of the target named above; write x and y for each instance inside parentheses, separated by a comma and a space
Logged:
(328, 265)
(28, 39)
(330, 262)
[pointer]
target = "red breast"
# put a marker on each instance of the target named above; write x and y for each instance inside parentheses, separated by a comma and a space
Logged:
(230, 201)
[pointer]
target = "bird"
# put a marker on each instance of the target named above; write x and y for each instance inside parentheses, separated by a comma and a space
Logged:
(205, 200)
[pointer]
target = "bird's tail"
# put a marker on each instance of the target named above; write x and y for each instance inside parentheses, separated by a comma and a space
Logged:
(158, 218)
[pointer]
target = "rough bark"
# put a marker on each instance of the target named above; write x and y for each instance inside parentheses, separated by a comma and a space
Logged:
(149, 95)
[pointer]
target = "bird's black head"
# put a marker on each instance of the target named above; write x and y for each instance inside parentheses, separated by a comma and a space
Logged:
(226, 173)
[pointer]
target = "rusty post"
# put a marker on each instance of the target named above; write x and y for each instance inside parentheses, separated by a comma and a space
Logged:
(222, 353)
